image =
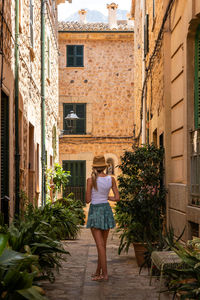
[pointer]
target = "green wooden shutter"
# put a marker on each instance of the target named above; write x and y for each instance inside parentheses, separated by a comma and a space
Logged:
(146, 35)
(5, 156)
(197, 80)
(79, 56)
(81, 122)
(74, 55)
(70, 56)
(76, 183)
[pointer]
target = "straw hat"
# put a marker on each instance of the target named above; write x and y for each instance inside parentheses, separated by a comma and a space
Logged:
(99, 161)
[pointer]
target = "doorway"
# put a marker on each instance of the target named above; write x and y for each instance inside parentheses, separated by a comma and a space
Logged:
(76, 184)
(5, 156)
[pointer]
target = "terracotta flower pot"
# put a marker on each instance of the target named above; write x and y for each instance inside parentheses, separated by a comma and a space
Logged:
(139, 249)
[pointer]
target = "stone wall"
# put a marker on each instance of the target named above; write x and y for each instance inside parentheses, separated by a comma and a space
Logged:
(105, 84)
(170, 98)
(30, 95)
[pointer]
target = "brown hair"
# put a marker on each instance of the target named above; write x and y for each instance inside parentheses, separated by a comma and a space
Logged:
(94, 176)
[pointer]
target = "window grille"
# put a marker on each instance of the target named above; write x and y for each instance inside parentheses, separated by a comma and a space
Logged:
(76, 183)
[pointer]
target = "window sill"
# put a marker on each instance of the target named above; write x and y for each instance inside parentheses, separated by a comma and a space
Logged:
(75, 67)
(75, 135)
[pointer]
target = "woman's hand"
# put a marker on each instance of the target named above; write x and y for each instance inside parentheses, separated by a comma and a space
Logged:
(115, 192)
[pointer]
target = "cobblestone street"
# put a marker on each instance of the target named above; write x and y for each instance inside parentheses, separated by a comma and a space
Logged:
(74, 281)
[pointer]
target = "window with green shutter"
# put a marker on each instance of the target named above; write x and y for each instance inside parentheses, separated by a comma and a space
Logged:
(77, 126)
(197, 80)
(75, 55)
(76, 183)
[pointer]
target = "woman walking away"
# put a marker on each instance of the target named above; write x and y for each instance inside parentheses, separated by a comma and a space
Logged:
(100, 217)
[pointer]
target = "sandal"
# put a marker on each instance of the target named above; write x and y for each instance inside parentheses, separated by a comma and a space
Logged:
(98, 278)
(95, 274)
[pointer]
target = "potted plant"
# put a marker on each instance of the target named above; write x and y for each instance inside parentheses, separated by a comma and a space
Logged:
(140, 213)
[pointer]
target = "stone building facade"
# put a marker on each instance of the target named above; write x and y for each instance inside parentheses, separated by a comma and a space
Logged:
(103, 84)
(167, 94)
(29, 97)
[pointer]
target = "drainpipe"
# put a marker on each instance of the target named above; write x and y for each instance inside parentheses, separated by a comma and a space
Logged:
(43, 5)
(17, 155)
(143, 75)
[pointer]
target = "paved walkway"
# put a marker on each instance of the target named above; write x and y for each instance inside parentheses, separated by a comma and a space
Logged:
(74, 281)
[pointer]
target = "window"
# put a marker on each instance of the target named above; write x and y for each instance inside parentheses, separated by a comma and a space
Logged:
(197, 80)
(74, 56)
(5, 154)
(75, 126)
(154, 9)
(31, 23)
(146, 35)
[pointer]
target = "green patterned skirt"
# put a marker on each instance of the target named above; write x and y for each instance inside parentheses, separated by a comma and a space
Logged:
(100, 216)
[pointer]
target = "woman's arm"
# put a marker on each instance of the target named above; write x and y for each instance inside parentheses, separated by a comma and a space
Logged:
(115, 191)
(88, 190)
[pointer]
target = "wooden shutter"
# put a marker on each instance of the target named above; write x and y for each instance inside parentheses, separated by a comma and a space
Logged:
(74, 56)
(70, 56)
(31, 24)
(79, 56)
(197, 80)
(146, 35)
(5, 156)
(76, 184)
(81, 122)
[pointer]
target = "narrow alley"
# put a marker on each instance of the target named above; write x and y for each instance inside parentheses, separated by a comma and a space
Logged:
(74, 281)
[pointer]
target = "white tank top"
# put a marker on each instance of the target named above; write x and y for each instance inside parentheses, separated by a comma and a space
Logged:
(100, 195)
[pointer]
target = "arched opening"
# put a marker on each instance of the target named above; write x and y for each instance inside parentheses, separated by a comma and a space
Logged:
(110, 166)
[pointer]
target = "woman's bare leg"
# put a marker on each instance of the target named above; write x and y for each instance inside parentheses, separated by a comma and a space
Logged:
(100, 238)
(105, 237)
(98, 269)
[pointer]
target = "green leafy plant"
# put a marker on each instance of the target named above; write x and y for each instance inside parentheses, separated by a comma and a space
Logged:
(17, 274)
(36, 232)
(141, 211)
(75, 206)
(185, 279)
(56, 178)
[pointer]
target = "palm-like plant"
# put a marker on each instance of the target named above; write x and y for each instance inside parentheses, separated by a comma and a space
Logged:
(17, 274)
(186, 279)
